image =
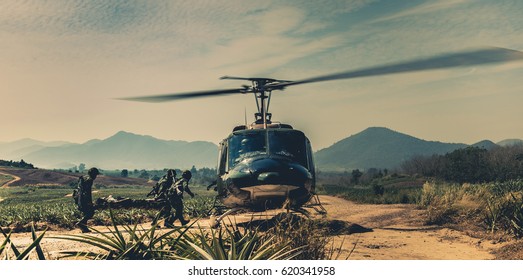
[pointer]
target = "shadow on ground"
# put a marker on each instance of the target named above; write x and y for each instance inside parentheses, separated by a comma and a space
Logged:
(332, 227)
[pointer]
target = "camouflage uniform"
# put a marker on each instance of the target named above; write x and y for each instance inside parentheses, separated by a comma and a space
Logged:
(164, 184)
(175, 198)
(161, 195)
(85, 199)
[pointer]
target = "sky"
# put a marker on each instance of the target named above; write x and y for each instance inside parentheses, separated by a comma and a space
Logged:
(64, 64)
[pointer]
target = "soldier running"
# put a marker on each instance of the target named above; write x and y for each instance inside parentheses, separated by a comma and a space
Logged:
(85, 201)
(160, 189)
(175, 198)
(160, 193)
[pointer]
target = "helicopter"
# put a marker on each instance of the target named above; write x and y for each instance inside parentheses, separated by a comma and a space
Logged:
(269, 165)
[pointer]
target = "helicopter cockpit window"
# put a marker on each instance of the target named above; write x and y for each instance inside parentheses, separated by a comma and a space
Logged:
(290, 144)
(246, 145)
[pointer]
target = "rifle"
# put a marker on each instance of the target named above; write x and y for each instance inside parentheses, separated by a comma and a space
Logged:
(155, 190)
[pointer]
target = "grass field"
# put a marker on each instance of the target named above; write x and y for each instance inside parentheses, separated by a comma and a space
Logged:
(375, 195)
(493, 206)
(53, 206)
(4, 179)
(43, 207)
(386, 190)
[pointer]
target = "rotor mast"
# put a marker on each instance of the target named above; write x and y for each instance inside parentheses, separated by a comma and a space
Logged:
(263, 98)
(262, 89)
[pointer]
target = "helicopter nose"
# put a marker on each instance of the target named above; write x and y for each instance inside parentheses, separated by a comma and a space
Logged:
(268, 177)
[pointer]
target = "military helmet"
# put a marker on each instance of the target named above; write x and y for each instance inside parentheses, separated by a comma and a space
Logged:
(93, 171)
(187, 174)
(172, 172)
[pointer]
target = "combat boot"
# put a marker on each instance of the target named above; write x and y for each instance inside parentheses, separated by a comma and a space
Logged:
(168, 225)
(83, 227)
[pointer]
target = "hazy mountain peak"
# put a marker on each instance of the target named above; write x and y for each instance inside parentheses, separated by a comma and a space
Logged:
(377, 147)
(485, 144)
(377, 131)
(510, 142)
(122, 133)
(129, 150)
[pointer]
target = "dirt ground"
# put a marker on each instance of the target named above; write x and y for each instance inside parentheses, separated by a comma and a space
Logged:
(398, 233)
(379, 232)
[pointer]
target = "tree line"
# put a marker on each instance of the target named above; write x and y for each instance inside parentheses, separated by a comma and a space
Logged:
(18, 164)
(471, 164)
(203, 176)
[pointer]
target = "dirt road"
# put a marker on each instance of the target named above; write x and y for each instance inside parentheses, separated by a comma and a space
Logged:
(397, 233)
(16, 178)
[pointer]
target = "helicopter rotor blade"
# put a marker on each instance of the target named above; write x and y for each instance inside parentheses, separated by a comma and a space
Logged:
(185, 95)
(268, 80)
(462, 59)
(469, 58)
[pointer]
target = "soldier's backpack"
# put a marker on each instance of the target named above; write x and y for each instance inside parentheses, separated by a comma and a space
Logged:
(77, 190)
(176, 189)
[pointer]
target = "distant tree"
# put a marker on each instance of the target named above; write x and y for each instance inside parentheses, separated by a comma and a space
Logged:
(356, 175)
(20, 164)
(81, 167)
(155, 178)
(471, 164)
(144, 174)
(467, 165)
(378, 189)
(124, 173)
(193, 170)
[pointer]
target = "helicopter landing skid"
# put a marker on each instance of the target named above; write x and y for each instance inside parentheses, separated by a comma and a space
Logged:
(215, 222)
(316, 205)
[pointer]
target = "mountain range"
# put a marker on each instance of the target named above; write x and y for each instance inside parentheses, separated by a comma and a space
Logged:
(375, 147)
(379, 147)
(123, 150)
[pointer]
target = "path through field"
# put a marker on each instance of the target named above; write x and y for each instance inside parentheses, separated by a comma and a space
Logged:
(397, 234)
(15, 179)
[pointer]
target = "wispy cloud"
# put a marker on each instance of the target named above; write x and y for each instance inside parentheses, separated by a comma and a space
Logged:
(59, 53)
(423, 9)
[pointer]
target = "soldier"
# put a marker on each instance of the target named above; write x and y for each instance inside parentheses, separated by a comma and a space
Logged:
(85, 201)
(160, 193)
(175, 197)
(160, 190)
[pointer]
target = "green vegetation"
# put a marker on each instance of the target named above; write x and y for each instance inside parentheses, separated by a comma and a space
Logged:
(375, 194)
(492, 206)
(489, 207)
(375, 189)
(52, 206)
(4, 179)
(18, 164)
(25, 254)
(203, 176)
(288, 238)
(471, 165)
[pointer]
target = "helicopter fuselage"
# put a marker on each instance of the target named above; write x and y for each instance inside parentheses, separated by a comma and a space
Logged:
(265, 168)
